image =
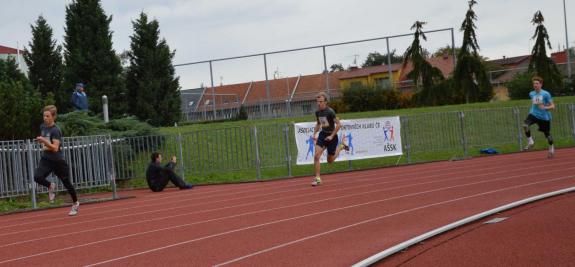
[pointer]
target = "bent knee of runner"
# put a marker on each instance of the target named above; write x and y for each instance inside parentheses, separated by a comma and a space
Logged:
(330, 158)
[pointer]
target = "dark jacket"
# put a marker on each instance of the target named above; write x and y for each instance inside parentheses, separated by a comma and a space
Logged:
(155, 173)
(80, 101)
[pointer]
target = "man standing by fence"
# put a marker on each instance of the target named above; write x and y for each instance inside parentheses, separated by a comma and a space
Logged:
(79, 98)
(52, 159)
(541, 103)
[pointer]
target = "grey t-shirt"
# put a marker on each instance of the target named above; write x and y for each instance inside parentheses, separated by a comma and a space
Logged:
(326, 119)
(52, 133)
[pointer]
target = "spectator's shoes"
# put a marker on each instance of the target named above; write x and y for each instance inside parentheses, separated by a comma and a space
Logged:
(74, 210)
(316, 181)
(52, 192)
(187, 186)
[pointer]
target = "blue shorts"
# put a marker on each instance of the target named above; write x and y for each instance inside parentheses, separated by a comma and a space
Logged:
(330, 145)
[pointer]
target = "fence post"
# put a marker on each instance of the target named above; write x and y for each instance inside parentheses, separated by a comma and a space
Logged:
(288, 153)
(573, 119)
(181, 156)
(349, 165)
(463, 137)
(258, 163)
(519, 131)
(31, 174)
(111, 170)
(404, 123)
(105, 108)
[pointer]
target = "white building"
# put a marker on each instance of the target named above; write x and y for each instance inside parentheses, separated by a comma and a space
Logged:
(9, 52)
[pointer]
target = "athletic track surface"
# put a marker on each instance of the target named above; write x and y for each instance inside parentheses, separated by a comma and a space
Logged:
(345, 220)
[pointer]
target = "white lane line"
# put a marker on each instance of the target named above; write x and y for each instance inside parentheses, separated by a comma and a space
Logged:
(400, 169)
(273, 193)
(334, 230)
(376, 177)
(399, 247)
(254, 226)
(273, 200)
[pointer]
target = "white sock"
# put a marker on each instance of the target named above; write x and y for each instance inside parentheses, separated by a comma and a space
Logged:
(530, 140)
(552, 149)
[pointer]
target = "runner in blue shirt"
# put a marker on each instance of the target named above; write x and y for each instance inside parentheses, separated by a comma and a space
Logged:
(541, 103)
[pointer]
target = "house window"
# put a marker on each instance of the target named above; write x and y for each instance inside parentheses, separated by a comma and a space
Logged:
(355, 84)
(383, 83)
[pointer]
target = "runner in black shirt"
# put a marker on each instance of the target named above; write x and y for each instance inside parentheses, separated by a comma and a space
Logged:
(327, 139)
(52, 159)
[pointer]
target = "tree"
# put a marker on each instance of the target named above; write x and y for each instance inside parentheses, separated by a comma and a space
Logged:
(520, 86)
(152, 86)
(446, 50)
(44, 61)
(422, 73)
(336, 67)
(90, 58)
(21, 104)
(540, 63)
(377, 59)
(470, 75)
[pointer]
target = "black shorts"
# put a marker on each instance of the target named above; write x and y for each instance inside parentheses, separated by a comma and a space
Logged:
(330, 145)
(58, 167)
(544, 126)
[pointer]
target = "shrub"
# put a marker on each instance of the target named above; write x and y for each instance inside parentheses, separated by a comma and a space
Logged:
(520, 86)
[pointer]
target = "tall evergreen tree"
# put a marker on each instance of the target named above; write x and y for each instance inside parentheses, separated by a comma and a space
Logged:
(153, 89)
(540, 63)
(44, 61)
(470, 75)
(423, 73)
(89, 56)
(21, 104)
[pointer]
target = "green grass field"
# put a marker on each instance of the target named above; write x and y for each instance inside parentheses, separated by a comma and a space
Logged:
(225, 151)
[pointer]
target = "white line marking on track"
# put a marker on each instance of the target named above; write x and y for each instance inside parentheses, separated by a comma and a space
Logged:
(259, 225)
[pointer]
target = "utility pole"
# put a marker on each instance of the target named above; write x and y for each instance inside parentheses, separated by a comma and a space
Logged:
(567, 42)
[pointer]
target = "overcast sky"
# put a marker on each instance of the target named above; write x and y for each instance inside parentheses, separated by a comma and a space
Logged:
(211, 29)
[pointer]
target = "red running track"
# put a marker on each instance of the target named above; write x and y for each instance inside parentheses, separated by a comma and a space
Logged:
(536, 234)
(280, 223)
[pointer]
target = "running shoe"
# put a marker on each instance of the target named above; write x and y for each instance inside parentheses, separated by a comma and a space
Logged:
(551, 153)
(74, 209)
(316, 181)
(52, 192)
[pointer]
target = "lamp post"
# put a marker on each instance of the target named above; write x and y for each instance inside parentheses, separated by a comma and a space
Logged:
(567, 42)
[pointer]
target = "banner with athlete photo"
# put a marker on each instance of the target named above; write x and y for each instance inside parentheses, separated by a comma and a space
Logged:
(366, 138)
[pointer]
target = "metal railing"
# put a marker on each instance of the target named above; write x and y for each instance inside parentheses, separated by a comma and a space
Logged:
(254, 110)
(259, 152)
(266, 151)
(90, 159)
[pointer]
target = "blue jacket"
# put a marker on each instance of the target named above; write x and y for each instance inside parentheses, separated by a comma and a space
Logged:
(80, 101)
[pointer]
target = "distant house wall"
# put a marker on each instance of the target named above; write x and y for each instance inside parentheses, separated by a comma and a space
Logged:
(8, 52)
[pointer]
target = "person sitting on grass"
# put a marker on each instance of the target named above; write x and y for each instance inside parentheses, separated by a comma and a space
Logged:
(158, 177)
